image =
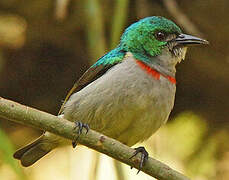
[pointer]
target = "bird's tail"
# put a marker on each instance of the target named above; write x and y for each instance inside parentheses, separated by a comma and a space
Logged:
(32, 152)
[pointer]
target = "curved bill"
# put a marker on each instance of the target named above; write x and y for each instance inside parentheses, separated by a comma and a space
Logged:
(185, 39)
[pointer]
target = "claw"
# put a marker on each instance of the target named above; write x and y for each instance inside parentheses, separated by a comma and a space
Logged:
(144, 157)
(74, 143)
(80, 126)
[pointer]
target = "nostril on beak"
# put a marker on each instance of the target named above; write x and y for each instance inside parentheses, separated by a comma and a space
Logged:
(181, 36)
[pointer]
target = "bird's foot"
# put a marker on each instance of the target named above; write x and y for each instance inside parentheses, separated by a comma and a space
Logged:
(144, 156)
(80, 126)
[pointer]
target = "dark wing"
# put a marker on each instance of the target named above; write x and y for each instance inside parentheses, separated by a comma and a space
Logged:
(94, 72)
(89, 76)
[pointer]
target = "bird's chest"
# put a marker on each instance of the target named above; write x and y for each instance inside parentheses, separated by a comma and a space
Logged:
(145, 90)
(124, 100)
(141, 102)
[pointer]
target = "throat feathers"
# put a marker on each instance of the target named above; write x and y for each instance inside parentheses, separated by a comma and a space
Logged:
(154, 73)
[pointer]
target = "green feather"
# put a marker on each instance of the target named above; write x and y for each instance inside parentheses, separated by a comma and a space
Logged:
(113, 57)
(139, 38)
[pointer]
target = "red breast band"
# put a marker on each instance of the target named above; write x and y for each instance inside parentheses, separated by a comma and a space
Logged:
(154, 73)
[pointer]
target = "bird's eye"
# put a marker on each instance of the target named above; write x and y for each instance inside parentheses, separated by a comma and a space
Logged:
(160, 36)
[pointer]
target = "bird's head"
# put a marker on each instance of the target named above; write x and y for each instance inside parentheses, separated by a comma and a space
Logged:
(157, 37)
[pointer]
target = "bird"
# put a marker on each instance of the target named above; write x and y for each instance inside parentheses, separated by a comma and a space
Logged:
(128, 94)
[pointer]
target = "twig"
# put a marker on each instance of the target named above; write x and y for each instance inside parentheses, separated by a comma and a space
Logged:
(29, 116)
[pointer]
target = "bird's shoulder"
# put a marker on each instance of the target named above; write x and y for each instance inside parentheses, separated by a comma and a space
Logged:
(98, 69)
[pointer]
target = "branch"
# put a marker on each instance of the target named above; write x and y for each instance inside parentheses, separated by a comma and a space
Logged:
(29, 116)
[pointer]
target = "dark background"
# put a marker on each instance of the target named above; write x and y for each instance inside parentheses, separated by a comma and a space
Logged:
(45, 46)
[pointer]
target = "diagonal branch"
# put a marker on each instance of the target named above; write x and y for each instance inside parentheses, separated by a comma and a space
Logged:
(29, 116)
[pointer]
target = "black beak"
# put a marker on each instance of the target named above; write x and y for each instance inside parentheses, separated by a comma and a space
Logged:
(185, 39)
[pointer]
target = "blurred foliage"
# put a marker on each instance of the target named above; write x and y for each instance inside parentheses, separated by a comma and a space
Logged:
(94, 28)
(46, 45)
(6, 151)
(189, 130)
(120, 15)
(12, 31)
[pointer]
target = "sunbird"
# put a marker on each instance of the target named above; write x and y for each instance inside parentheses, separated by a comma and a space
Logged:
(128, 93)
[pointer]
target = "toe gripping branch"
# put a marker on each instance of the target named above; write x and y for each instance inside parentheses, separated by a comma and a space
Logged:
(80, 126)
(144, 156)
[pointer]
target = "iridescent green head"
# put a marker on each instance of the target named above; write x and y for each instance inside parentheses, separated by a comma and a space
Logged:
(151, 35)
(148, 35)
